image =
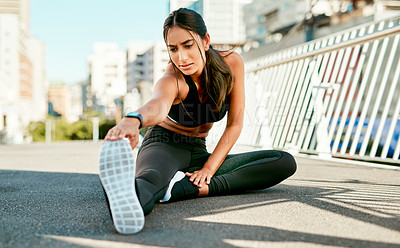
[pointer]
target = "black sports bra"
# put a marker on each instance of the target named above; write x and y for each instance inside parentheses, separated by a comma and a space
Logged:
(191, 112)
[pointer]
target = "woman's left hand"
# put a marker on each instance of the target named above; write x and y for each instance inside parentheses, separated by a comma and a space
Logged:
(199, 177)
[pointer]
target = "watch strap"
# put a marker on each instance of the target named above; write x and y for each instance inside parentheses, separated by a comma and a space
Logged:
(137, 116)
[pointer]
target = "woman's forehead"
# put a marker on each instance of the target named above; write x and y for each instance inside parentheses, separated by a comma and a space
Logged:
(177, 35)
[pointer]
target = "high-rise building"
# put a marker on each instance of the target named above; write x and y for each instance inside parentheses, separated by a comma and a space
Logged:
(40, 85)
(9, 76)
(263, 18)
(223, 18)
(23, 80)
(20, 8)
(176, 4)
(146, 62)
(138, 67)
(107, 74)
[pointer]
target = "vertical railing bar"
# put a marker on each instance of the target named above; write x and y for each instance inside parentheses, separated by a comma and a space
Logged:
(380, 92)
(314, 82)
(294, 111)
(275, 87)
(396, 153)
(252, 78)
(316, 46)
(252, 102)
(389, 138)
(265, 97)
(283, 134)
(323, 61)
(351, 123)
(300, 102)
(334, 78)
(335, 93)
(300, 69)
(361, 95)
(349, 94)
(326, 100)
(343, 90)
(283, 85)
(388, 99)
(264, 86)
(264, 130)
(286, 95)
(322, 70)
(289, 99)
(280, 112)
(305, 104)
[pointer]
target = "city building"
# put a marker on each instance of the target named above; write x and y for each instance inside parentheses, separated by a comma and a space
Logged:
(265, 20)
(176, 4)
(272, 26)
(58, 96)
(138, 62)
(40, 84)
(223, 18)
(65, 100)
(146, 62)
(107, 75)
(22, 75)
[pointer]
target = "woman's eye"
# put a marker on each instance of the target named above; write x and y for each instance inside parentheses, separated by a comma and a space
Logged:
(172, 49)
(189, 46)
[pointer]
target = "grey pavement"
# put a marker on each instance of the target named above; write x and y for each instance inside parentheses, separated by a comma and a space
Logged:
(50, 196)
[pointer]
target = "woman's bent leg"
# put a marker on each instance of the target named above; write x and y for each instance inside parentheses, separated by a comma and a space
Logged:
(156, 164)
(252, 171)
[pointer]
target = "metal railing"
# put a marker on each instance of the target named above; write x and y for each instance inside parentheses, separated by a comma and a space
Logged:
(336, 96)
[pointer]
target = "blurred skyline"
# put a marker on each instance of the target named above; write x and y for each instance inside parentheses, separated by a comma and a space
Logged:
(70, 28)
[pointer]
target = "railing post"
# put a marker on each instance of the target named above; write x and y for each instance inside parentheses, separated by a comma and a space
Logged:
(95, 121)
(48, 131)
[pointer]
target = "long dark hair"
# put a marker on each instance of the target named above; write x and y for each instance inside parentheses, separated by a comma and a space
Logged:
(217, 75)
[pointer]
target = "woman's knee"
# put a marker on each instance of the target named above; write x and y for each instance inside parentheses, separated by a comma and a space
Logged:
(289, 163)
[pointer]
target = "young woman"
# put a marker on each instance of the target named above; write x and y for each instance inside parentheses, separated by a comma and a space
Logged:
(199, 87)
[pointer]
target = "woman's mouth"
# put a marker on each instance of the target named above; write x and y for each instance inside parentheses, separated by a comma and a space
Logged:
(186, 66)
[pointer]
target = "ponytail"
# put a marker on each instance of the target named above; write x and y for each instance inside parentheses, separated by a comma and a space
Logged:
(218, 79)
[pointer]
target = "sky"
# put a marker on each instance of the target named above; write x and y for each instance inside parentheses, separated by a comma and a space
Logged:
(69, 28)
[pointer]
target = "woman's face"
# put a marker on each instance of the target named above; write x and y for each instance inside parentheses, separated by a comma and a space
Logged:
(184, 52)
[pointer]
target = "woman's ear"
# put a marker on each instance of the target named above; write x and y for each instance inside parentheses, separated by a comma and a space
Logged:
(207, 42)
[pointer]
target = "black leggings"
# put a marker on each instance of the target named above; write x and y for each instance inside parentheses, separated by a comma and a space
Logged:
(164, 152)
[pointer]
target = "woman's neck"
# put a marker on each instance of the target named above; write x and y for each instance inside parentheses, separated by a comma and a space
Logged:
(198, 79)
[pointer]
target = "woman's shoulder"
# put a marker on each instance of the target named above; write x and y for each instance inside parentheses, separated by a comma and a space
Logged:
(232, 59)
(170, 75)
(168, 81)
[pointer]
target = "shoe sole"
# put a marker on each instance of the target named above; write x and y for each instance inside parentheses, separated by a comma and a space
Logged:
(117, 175)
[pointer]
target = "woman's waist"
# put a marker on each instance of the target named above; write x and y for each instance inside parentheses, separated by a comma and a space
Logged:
(199, 131)
(158, 133)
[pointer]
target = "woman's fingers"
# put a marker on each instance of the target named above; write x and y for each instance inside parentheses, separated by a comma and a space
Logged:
(199, 179)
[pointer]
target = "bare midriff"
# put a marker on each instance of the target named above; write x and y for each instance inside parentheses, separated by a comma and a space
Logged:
(200, 131)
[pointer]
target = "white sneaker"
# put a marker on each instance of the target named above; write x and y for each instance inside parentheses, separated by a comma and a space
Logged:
(117, 175)
(179, 175)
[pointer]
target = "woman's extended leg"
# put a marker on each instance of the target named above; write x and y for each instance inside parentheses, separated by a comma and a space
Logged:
(252, 171)
(239, 172)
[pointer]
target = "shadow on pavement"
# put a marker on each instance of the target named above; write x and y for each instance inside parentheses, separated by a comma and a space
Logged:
(43, 209)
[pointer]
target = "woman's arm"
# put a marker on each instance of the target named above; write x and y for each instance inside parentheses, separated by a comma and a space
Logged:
(153, 112)
(233, 127)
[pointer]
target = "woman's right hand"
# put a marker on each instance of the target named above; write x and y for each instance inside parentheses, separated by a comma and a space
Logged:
(129, 128)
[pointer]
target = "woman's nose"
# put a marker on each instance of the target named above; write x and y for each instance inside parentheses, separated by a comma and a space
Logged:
(182, 55)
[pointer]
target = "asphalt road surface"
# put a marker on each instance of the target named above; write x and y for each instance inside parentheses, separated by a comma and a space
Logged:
(50, 196)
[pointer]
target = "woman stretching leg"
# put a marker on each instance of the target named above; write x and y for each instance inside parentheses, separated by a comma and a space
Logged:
(199, 87)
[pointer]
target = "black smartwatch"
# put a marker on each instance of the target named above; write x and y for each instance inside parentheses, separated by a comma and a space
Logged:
(135, 115)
